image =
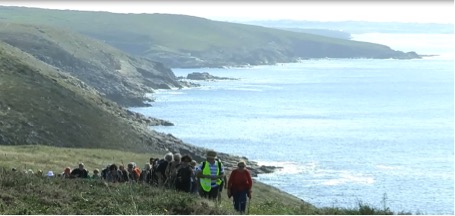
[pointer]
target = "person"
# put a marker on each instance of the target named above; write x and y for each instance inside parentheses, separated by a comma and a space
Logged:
(81, 172)
(105, 171)
(161, 168)
(184, 175)
(239, 186)
(134, 173)
(114, 175)
(96, 174)
(210, 173)
(66, 173)
(50, 174)
(194, 179)
(124, 177)
(172, 169)
(146, 174)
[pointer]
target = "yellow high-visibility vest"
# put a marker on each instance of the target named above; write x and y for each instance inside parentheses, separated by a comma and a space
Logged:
(206, 183)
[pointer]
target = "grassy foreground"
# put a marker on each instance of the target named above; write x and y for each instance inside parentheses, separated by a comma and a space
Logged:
(29, 194)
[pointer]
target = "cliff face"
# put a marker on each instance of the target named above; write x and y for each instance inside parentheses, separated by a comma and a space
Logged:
(40, 105)
(186, 41)
(118, 76)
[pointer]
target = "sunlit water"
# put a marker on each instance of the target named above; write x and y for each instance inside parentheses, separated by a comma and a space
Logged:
(345, 131)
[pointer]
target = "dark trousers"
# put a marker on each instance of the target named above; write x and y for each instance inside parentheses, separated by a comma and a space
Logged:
(212, 194)
(240, 200)
(183, 186)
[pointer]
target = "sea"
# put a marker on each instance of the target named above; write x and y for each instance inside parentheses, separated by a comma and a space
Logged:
(345, 131)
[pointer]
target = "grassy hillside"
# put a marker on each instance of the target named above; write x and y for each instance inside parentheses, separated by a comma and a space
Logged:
(185, 41)
(118, 76)
(39, 105)
(28, 194)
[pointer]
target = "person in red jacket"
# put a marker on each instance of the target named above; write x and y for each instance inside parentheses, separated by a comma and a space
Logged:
(239, 186)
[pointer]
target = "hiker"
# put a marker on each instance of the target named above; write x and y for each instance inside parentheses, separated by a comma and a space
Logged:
(133, 172)
(30, 172)
(124, 177)
(172, 169)
(50, 174)
(184, 175)
(161, 168)
(239, 186)
(210, 173)
(66, 173)
(105, 171)
(194, 179)
(96, 174)
(146, 174)
(39, 173)
(81, 172)
(114, 175)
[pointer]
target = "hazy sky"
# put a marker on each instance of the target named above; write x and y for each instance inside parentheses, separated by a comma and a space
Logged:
(401, 11)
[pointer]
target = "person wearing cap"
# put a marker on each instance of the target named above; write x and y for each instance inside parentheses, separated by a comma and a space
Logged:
(81, 172)
(210, 173)
(50, 173)
(239, 186)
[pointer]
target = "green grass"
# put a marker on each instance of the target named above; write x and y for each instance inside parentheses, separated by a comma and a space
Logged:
(29, 194)
(41, 105)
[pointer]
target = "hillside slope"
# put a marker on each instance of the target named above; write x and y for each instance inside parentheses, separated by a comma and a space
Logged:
(186, 41)
(39, 105)
(118, 76)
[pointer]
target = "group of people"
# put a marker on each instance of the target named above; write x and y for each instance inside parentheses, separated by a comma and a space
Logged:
(174, 171)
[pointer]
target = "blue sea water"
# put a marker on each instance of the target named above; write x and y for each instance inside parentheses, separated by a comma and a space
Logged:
(379, 132)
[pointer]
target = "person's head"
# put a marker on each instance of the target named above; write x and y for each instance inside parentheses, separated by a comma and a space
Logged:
(50, 173)
(193, 163)
(39, 173)
(96, 172)
(151, 160)
(13, 169)
(30, 171)
(186, 160)
(67, 171)
(168, 157)
(211, 156)
(131, 166)
(241, 165)
(121, 167)
(81, 166)
(177, 157)
(113, 167)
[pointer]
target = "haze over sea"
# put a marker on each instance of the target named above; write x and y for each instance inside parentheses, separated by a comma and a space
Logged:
(345, 130)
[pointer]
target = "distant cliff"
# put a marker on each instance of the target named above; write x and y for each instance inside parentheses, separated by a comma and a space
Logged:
(186, 41)
(117, 75)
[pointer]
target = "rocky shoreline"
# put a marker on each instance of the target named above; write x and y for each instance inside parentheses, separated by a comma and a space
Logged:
(198, 153)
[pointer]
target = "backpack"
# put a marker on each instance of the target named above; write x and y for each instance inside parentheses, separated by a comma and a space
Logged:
(184, 174)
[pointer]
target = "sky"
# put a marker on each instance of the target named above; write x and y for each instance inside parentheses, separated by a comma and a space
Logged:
(376, 11)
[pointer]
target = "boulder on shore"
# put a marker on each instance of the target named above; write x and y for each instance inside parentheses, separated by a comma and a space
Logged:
(205, 76)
